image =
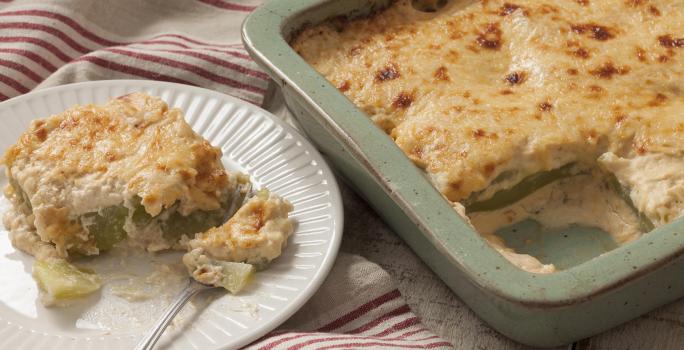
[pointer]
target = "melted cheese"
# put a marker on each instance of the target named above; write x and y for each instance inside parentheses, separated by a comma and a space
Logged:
(470, 93)
(96, 156)
(256, 234)
(520, 87)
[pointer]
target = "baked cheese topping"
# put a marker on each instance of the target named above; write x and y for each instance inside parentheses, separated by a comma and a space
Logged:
(132, 170)
(93, 157)
(256, 234)
(483, 96)
(470, 93)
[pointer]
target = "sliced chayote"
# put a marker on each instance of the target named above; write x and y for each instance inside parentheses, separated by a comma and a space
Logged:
(107, 226)
(520, 190)
(60, 280)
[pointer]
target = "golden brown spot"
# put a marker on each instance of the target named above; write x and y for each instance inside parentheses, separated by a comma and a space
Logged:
(620, 118)
(668, 41)
(607, 70)
(640, 149)
(452, 56)
(41, 134)
(489, 168)
(344, 86)
(455, 185)
(417, 151)
(466, 94)
(581, 53)
(187, 175)
(161, 167)
(596, 91)
(594, 31)
(354, 51)
(658, 100)
(388, 73)
(545, 106)
(479, 133)
(442, 73)
(572, 71)
(490, 38)
(641, 54)
(150, 198)
(663, 58)
(592, 134)
(68, 123)
(654, 10)
(506, 92)
(546, 9)
(110, 157)
(516, 78)
(595, 88)
(582, 2)
(403, 101)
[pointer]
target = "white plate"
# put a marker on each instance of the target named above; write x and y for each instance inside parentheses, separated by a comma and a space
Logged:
(253, 141)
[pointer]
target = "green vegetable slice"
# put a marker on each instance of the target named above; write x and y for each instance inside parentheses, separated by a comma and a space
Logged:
(521, 190)
(235, 275)
(178, 225)
(140, 217)
(107, 226)
(61, 281)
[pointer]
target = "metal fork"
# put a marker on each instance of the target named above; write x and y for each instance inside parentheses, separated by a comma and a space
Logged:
(171, 311)
(193, 287)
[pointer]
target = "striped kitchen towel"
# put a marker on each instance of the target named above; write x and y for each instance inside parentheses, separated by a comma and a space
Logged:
(197, 42)
(358, 306)
(48, 43)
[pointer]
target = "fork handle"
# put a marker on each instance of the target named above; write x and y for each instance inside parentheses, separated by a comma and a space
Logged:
(151, 338)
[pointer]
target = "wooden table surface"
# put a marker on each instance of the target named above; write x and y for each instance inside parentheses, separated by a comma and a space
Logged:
(367, 235)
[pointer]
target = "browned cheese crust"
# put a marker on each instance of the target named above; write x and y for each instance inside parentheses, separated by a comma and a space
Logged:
(518, 85)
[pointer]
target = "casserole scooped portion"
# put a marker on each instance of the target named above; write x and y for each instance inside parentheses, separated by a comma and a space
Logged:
(564, 112)
(130, 172)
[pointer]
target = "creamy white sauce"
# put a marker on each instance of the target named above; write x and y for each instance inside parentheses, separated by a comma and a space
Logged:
(585, 200)
(656, 181)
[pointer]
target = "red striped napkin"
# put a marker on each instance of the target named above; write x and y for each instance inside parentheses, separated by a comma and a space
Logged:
(358, 306)
(197, 42)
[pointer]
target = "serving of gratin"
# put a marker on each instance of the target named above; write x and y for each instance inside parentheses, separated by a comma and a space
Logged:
(132, 172)
(565, 112)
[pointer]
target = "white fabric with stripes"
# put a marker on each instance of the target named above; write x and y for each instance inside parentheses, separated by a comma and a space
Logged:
(49, 43)
(45, 44)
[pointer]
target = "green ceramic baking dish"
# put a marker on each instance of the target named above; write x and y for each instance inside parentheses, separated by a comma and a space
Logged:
(535, 309)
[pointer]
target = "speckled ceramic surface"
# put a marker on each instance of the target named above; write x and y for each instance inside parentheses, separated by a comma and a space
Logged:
(541, 310)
